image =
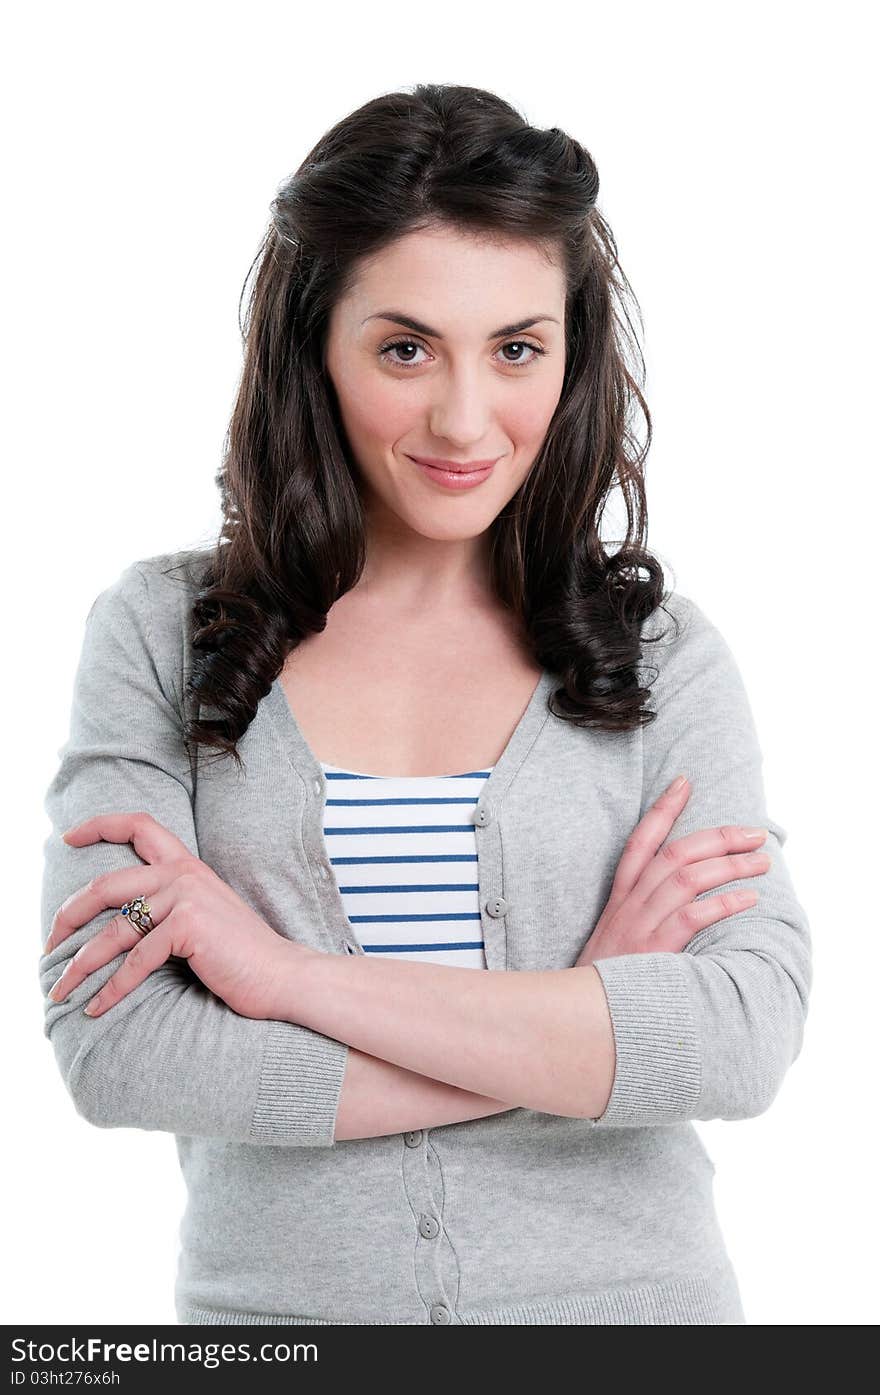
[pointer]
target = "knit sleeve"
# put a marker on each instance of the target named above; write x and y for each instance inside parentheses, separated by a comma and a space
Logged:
(170, 1055)
(708, 1032)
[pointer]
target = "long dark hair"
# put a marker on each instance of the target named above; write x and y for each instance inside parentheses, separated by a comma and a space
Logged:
(292, 540)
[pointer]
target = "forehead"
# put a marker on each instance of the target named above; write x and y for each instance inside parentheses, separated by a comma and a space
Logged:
(456, 279)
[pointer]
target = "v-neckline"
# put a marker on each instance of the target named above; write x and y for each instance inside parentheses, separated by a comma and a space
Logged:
(340, 932)
(307, 764)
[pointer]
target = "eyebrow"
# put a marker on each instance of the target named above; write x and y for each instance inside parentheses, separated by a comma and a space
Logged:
(397, 317)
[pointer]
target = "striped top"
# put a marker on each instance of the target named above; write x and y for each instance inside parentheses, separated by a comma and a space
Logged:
(404, 854)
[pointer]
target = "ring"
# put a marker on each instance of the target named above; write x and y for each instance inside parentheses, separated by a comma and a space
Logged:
(137, 912)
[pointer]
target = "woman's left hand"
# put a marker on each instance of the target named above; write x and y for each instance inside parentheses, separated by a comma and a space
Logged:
(196, 917)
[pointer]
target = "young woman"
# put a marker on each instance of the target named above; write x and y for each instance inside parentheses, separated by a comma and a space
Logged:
(392, 729)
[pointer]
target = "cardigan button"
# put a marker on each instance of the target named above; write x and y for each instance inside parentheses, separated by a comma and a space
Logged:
(440, 1313)
(413, 1138)
(497, 906)
(483, 816)
(317, 786)
(429, 1227)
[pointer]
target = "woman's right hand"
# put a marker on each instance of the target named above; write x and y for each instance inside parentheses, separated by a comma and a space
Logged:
(652, 905)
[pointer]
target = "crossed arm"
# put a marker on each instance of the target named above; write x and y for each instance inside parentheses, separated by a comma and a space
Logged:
(375, 1046)
(430, 1044)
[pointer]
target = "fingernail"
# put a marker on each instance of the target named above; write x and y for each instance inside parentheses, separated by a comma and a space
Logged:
(677, 784)
(52, 992)
(91, 1008)
(753, 832)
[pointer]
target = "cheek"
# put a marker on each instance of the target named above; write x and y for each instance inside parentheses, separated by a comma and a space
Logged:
(377, 413)
(528, 417)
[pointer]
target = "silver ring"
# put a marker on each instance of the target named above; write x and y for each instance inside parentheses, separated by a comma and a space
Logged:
(137, 913)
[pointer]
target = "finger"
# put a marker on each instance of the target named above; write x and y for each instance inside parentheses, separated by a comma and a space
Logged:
(680, 928)
(110, 889)
(113, 939)
(150, 952)
(646, 837)
(705, 843)
(149, 838)
(691, 879)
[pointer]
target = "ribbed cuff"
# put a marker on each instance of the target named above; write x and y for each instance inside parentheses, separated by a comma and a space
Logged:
(300, 1083)
(658, 1075)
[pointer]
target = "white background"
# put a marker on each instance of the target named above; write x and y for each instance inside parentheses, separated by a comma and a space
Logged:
(737, 155)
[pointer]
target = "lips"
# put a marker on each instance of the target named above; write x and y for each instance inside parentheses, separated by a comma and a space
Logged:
(458, 479)
(453, 467)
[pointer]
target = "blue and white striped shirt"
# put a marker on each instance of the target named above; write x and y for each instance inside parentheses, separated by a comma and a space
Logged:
(404, 855)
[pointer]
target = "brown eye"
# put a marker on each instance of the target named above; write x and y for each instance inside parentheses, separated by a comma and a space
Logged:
(521, 344)
(399, 344)
(388, 352)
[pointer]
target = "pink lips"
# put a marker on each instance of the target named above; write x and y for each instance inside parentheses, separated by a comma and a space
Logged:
(453, 466)
(453, 474)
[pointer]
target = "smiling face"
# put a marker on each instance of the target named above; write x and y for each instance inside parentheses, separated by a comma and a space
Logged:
(464, 380)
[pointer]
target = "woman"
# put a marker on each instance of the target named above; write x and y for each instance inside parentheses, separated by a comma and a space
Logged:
(392, 728)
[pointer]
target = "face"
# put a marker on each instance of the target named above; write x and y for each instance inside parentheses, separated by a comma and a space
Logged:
(457, 389)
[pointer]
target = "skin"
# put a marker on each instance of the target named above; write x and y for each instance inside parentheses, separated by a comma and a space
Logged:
(463, 397)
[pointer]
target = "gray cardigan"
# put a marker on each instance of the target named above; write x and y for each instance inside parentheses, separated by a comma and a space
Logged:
(520, 1217)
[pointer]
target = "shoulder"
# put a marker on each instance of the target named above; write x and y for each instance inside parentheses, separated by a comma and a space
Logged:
(158, 578)
(168, 573)
(679, 628)
(144, 613)
(158, 589)
(687, 662)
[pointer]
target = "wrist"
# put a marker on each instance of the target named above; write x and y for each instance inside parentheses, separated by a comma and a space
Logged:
(293, 976)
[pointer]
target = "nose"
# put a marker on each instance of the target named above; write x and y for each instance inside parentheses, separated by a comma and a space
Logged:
(461, 412)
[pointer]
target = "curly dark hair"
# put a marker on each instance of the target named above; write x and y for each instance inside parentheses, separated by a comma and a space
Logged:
(292, 539)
